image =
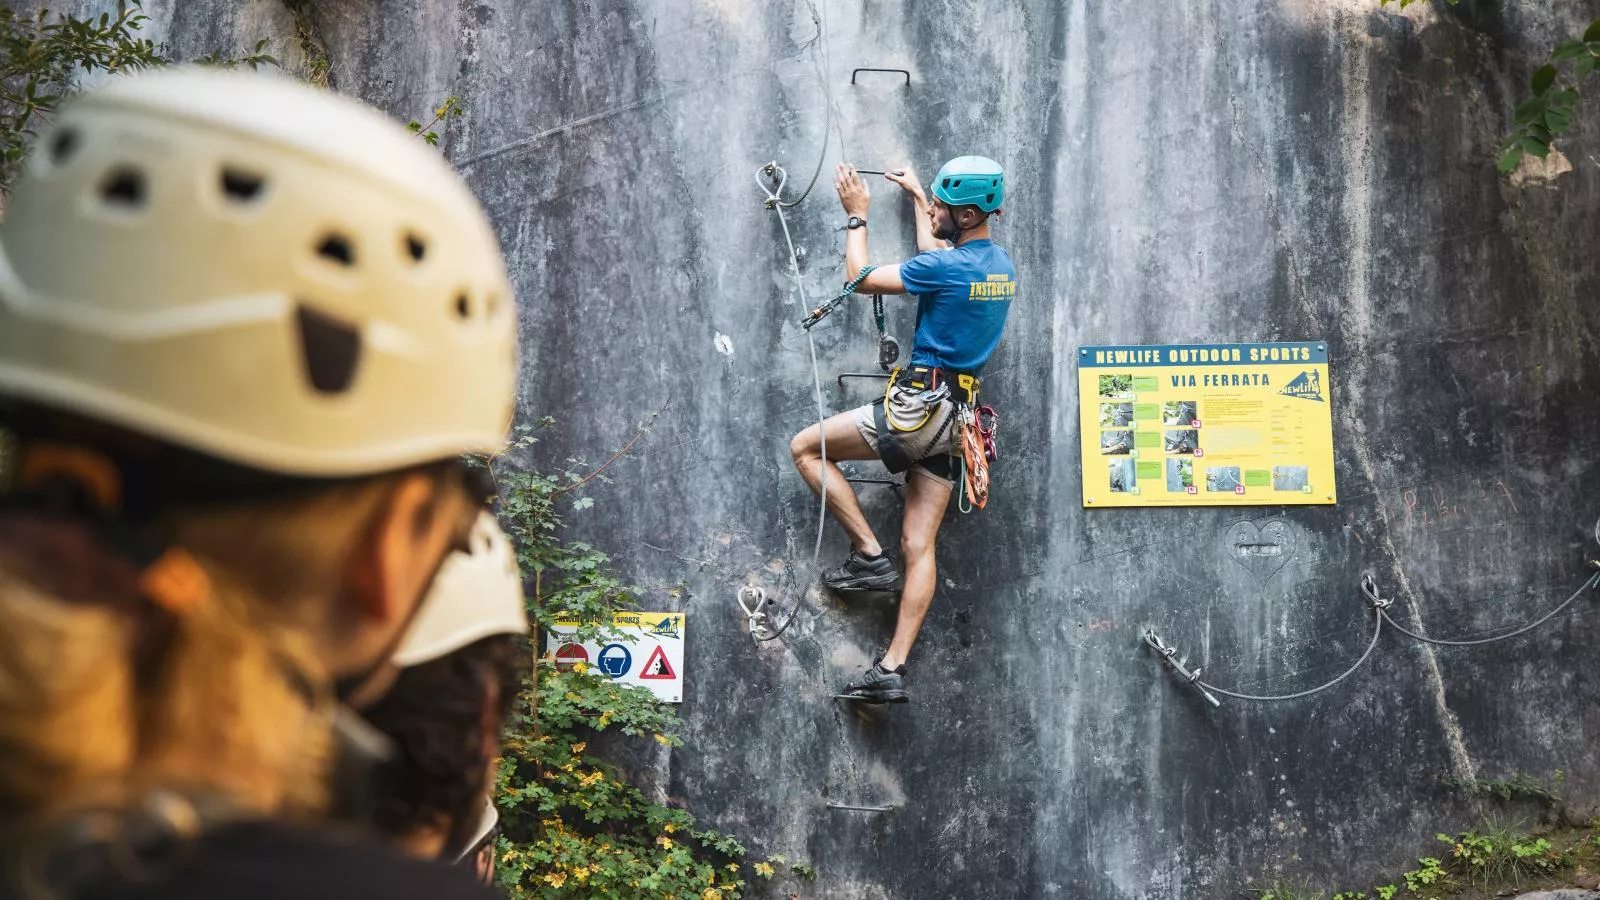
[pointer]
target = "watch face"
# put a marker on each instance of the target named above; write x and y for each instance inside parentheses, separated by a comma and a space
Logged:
(855, 222)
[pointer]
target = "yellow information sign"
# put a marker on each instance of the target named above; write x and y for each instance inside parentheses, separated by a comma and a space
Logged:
(1206, 425)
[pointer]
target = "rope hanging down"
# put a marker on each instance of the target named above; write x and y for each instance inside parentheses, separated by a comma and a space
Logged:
(761, 630)
(774, 201)
(1380, 608)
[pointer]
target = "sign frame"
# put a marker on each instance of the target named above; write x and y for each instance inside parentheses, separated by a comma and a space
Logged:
(639, 637)
(1185, 425)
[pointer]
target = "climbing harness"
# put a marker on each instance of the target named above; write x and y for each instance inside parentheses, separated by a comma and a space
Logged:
(931, 392)
(1380, 607)
(821, 312)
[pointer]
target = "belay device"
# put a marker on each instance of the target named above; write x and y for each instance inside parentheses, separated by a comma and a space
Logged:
(888, 347)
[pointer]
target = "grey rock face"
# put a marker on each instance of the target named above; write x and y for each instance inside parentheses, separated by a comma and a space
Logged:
(1183, 171)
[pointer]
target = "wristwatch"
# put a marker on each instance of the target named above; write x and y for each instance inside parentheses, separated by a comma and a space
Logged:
(855, 222)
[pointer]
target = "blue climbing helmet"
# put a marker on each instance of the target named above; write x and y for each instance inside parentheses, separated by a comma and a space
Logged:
(971, 181)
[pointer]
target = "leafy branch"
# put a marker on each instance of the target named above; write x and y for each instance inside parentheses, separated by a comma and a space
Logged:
(255, 59)
(41, 57)
(451, 108)
(1548, 113)
(574, 827)
(44, 56)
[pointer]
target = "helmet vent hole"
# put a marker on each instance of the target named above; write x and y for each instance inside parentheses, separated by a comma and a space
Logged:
(956, 183)
(463, 306)
(330, 349)
(416, 247)
(124, 187)
(63, 146)
(241, 186)
(336, 247)
(989, 199)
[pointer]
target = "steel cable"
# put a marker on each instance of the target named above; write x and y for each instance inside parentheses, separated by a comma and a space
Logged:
(1587, 585)
(1380, 606)
(1377, 629)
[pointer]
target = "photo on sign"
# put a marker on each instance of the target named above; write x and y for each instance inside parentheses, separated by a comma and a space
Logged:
(1115, 443)
(1223, 478)
(1183, 441)
(1122, 476)
(1180, 412)
(1289, 478)
(1116, 415)
(1180, 475)
(1117, 387)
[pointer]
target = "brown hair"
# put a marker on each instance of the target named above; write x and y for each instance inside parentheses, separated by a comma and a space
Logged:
(109, 690)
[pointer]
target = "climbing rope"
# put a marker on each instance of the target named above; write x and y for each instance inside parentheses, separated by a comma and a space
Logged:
(760, 628)
(1380, 607)
(821, 312)
(977, 451)
(776, 172)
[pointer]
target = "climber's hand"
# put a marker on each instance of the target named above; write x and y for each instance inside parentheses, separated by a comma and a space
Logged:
(907, 179)
(853, 193)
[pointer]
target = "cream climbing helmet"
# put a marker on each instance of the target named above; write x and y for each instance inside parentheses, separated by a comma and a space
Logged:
(477, 594)
(268, 273)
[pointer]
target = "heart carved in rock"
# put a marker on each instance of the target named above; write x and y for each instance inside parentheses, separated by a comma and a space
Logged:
(1261, 549)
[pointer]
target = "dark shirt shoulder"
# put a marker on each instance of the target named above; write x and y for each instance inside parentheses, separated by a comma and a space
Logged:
(269, 861)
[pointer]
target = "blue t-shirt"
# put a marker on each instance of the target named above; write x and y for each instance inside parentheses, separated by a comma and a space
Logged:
(963, 295)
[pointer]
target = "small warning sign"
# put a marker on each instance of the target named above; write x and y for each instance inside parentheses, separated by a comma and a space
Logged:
(656, 667)
(569, 655)
(656, 638)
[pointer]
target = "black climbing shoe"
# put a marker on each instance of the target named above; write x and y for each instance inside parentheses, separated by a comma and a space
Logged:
(875, 579)
(878, 685)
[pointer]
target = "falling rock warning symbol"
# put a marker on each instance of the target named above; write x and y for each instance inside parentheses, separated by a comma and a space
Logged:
(657, 668)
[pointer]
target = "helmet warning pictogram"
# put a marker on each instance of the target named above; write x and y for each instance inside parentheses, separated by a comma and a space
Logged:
(657, 667)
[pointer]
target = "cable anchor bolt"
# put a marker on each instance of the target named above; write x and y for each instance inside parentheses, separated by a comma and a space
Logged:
(751, 599)
(1369, 589)
(1178, 666)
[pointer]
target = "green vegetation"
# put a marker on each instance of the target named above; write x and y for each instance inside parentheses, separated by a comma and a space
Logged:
(319, 70)
(1517, 786)
(43, 57)
(1493, 861)
(573, 826)
(450, 109)
(1549, 112)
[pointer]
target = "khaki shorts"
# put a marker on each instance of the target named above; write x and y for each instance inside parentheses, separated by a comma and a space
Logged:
(928, 445)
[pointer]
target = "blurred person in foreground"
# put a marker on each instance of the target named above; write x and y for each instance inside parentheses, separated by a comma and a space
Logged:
(460, 670)
(247, 330)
